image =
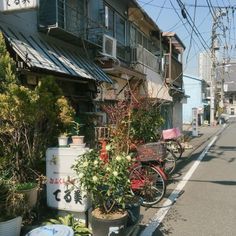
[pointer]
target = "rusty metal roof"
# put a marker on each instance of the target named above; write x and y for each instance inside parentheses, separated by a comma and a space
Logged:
(45, 53)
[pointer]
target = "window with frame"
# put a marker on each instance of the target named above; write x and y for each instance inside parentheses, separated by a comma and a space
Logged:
(145, 42)
(120, 29)
(61, 13)
(133, 40)
(139, 37)
(110, 26)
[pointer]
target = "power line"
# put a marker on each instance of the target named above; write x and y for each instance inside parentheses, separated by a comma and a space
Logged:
(161, 10)
(183, 22)
(191, 36)
(188, 5)
(193, 26)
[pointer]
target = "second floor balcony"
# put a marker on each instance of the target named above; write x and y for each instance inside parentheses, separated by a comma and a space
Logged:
(173, 70)
(144, 57)
(68, 20)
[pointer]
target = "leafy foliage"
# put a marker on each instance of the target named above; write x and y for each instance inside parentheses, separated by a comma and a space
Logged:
(134, 121)
(107, 182)
(12, 203)
(7, 66)
(79, 228)
(119, 115)
(26, 186)
(145, 121)
(30, 120)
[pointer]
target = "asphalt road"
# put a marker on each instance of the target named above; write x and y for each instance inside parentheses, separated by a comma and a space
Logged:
(206, 205)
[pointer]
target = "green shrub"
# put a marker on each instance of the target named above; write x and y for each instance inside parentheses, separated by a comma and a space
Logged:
(79, 228)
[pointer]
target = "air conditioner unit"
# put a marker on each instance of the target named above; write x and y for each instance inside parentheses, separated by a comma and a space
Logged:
(109, 46)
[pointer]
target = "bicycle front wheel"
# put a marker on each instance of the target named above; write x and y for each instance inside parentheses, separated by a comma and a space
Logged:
(147, 182)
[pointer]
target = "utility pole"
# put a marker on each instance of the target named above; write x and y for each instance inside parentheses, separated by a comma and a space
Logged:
(213, 67)
(214, 47)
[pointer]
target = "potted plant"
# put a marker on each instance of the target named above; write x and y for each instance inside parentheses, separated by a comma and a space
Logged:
(13, 207)
(77, 139)
(29, 190)
(78, 227)
(63, 140)
(109, 185)
(133, 205)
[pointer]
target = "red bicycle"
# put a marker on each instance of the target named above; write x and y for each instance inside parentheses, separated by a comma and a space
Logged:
(148, 176)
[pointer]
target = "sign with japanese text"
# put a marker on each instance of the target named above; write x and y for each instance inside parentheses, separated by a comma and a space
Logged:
(63, 191)
(17, 5)
(194, 121)
(64, 194)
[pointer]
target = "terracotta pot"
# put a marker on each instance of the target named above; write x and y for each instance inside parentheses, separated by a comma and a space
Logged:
(108, 226)
(77, 140)
(11, 227)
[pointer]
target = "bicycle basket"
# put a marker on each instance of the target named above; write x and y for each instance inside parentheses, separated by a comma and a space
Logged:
(151, 151)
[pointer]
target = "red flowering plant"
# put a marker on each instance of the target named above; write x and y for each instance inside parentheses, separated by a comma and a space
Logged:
(119, 125)
(135, 121)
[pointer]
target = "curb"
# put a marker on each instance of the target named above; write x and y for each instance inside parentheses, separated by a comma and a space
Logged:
(200, 143)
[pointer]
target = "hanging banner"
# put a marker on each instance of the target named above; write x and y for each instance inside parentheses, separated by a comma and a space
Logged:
(17, 5)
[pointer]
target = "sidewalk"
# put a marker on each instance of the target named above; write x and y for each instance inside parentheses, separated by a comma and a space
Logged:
(205, 135)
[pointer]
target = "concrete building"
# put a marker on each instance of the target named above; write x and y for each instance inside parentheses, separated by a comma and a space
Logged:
(205, 66)
(77, 41)
(229, 93)
(193, 88)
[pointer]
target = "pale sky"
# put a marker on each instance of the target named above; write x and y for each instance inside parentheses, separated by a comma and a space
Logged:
(168, 19)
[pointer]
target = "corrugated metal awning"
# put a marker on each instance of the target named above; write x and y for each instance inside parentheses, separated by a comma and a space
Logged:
(47, 54)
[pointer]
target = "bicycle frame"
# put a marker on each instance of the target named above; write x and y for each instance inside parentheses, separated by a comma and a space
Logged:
(139, 183)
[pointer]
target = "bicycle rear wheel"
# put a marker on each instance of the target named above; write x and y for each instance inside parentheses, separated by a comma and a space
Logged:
(176, 147)
(147, 182)
(169, 162)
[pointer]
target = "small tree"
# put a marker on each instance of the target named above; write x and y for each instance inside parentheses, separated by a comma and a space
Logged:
(145, 121)
(30, 120)
(133, 121)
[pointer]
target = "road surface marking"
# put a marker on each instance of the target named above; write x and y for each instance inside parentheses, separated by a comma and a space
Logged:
(160, 215)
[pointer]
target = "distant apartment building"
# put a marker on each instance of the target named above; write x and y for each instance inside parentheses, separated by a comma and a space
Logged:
(193, 87)
(205, 66)
(205, 76)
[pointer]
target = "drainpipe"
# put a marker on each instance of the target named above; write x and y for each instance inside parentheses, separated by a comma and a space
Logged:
(170, 57)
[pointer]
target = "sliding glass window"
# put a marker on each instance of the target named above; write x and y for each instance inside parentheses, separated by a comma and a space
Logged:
(120, 29)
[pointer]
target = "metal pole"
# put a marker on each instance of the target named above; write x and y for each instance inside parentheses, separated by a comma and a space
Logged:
(212, 88)
(170, 60)
(214, 47)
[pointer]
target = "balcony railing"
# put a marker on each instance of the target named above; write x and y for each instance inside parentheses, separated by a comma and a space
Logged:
(66, 20)
(173, 70)
(141, 55)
